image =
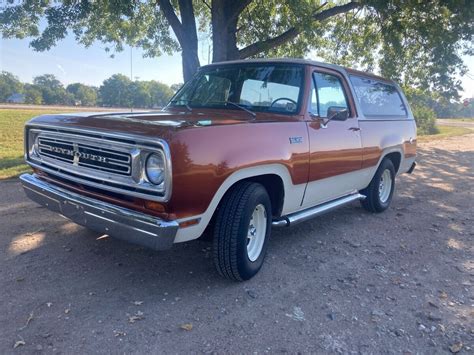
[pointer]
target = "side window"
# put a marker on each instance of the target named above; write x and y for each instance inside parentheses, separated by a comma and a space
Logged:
(377, 98)
(313, 100)
(330, 92)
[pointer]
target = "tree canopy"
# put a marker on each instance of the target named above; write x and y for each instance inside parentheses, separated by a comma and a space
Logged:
(9, 85)
(116, 91)
(418, 43)
(83, 94)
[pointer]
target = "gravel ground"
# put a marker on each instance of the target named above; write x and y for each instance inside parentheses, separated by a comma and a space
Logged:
(346, 282)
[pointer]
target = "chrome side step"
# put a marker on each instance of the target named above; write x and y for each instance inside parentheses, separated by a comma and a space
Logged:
(311, 212)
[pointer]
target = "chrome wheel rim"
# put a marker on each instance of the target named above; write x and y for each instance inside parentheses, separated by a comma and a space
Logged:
(256, 232)
(385, 186)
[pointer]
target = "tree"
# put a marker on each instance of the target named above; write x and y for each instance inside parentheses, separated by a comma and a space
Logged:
(422, 39)
(9, 84)
(116, 91)
(160, 94)
(176, 87)
(52, 90)
(33, 94)
(83, 94)
(140, 94)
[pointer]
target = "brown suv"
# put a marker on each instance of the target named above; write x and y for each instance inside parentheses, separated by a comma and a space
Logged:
(242, 147)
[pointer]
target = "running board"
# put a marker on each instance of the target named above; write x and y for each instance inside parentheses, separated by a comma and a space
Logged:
(309, 213)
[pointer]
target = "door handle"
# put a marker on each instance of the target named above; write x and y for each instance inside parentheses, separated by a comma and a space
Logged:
(354, 129)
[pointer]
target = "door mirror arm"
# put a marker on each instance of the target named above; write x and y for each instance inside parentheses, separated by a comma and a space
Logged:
(316, 117)
(324, 122)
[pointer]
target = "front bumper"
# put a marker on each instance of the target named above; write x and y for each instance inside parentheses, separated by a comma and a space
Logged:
(102, 217)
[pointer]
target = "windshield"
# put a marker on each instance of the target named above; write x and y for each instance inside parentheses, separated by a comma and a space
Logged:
(256, 87)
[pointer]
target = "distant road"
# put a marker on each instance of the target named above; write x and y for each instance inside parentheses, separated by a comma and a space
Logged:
(456, 123)
(67, 108)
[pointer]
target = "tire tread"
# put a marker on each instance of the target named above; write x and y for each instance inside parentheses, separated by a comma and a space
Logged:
(227, 227)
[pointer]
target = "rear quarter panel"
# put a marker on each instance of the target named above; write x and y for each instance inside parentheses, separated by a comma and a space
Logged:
(381, 137)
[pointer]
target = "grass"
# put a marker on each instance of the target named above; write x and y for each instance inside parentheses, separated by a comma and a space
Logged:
(11, 140)
(12, 122)
(445, 132)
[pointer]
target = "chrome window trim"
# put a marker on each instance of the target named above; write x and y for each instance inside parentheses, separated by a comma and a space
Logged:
(142, 147)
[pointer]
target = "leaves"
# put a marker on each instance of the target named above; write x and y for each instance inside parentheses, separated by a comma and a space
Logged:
(19, 343)
(414, 42)
(136, 317)
(456, 347)
(187, 326)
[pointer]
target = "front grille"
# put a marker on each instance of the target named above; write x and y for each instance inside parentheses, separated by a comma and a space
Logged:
(107, 161)
(80, 154)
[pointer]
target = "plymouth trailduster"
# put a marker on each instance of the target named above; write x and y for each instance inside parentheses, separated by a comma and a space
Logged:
(242, 147)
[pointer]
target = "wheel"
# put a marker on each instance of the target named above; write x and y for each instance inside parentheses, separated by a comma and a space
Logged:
(380, 190)
(241, 232)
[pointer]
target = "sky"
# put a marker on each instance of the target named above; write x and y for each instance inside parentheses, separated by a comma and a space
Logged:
(71, 62)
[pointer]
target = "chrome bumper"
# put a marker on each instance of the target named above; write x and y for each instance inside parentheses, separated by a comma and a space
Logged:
(102, 217)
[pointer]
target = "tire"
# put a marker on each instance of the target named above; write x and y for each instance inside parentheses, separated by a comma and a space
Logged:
(236, 257)
(378, 197)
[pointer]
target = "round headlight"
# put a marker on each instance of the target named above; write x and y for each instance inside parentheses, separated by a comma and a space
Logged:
(155, 168)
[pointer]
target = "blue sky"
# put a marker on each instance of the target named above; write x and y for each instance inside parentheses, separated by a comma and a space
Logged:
(71, 63)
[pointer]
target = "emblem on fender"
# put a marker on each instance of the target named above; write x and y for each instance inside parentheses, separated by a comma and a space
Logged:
(296, 140)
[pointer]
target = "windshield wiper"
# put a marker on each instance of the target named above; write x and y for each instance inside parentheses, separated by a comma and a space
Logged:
(186, 104)
(236, 105)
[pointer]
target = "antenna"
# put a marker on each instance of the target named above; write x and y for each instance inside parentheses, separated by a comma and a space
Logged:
(131, 63)
(131, 73)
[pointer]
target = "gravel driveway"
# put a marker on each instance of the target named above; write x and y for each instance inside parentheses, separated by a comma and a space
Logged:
(346, 282)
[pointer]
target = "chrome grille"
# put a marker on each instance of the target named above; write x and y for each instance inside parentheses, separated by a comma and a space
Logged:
(80, 154)
(108, 161)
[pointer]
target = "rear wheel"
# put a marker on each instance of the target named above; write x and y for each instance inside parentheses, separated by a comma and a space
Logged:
(380, 190)
(241, 231)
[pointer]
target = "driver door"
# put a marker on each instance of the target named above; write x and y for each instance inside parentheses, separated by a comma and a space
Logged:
(335, 148)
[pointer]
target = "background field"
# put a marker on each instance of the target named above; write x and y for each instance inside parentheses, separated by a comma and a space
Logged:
(12, 121)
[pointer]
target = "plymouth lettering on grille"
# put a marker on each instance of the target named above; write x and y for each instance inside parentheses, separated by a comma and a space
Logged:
(79, 155)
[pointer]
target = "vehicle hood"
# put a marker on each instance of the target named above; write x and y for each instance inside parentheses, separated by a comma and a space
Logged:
(153, 124)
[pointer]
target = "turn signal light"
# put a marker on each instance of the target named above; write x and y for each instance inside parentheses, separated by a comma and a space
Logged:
(154, 206)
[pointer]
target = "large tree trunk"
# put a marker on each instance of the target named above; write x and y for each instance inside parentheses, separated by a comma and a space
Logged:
(224, 31)
(190, 61)
(186, 33)
(225, 16)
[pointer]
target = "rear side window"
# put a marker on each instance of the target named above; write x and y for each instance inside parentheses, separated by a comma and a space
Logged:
(377, 98)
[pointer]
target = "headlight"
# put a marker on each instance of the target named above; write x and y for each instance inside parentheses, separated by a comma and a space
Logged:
(155, 168)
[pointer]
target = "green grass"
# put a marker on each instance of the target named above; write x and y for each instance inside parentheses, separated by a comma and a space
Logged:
(11, 140)
(445, 132)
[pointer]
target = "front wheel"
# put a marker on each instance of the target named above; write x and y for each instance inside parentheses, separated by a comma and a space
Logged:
(241, 231)
(380, 190)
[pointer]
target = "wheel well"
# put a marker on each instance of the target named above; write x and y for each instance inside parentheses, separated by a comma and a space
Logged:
(275, 189)
(274, 186)
(396, 158)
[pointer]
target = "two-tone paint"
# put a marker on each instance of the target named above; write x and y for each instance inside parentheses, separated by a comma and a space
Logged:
(211, 150)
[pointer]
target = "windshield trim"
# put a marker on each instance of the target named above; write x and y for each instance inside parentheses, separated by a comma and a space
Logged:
(256, 109)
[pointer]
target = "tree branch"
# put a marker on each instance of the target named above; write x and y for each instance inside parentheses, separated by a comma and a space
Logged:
(237, 8)
(293, 32)
(173, 20)
(207, 4)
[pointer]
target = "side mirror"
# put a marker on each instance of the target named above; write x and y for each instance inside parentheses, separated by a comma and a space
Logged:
(337, 113)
